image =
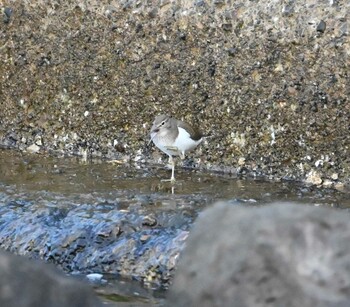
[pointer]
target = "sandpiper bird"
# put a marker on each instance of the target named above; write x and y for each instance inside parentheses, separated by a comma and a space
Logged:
(174, 137)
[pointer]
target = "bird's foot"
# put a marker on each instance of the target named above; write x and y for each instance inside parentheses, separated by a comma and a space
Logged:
(171, 180)
(116, 162)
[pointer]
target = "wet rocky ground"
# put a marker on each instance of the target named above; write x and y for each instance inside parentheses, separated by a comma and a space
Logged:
(120, 220)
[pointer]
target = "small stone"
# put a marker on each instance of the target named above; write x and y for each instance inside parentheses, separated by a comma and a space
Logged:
(39, 142)
(153, 13)
(182, 36)
(7, 14)
(144, 238)
(288, 10)
(33, 148)
(200, 3)
(94, 277)
(327, 183)
(313, 177)
(227, 26)
(232, 51)
(335, 176)
(241, 161)
(339, 186)
(321, 27)
(319, 163)
(149, 220)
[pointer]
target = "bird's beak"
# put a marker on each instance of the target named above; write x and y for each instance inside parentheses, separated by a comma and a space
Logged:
(155, 130)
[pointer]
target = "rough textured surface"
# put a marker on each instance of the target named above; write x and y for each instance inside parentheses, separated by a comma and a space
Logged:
(279, 255)
(98, 238)
(26, 283)
(269, 79)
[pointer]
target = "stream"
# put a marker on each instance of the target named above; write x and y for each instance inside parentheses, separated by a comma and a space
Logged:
(118, 220)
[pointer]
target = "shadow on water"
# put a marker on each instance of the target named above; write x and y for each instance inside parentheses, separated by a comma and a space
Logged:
(113, 211)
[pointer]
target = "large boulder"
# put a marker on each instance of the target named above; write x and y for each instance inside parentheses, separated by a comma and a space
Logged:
(278, 255)
(28, 283)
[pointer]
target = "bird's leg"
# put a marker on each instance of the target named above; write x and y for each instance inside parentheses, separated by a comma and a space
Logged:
(172, 179)
(182, 155)
(172, 161)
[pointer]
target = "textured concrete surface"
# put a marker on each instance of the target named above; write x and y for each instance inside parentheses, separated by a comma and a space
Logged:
(268, 79)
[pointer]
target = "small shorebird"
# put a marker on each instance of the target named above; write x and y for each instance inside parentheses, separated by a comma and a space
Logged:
(174, 137)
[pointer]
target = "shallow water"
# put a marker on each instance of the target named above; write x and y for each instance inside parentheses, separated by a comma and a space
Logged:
(61, 180)
(51, 182)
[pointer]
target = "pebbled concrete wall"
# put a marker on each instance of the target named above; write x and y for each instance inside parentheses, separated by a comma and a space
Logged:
(269, 80)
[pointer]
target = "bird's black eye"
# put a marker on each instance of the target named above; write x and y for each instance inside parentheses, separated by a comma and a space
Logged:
(163, 122)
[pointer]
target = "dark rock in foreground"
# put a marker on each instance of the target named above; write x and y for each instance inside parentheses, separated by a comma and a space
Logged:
(280, 255)
(25, 283)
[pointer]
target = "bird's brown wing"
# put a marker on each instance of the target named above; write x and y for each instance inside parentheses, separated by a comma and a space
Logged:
(194, 133)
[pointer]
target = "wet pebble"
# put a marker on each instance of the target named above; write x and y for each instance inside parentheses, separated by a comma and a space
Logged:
(96, 278)
(149, 220)
(34, 148)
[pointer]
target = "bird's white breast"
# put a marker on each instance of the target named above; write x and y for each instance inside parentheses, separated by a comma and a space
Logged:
(184, 142)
